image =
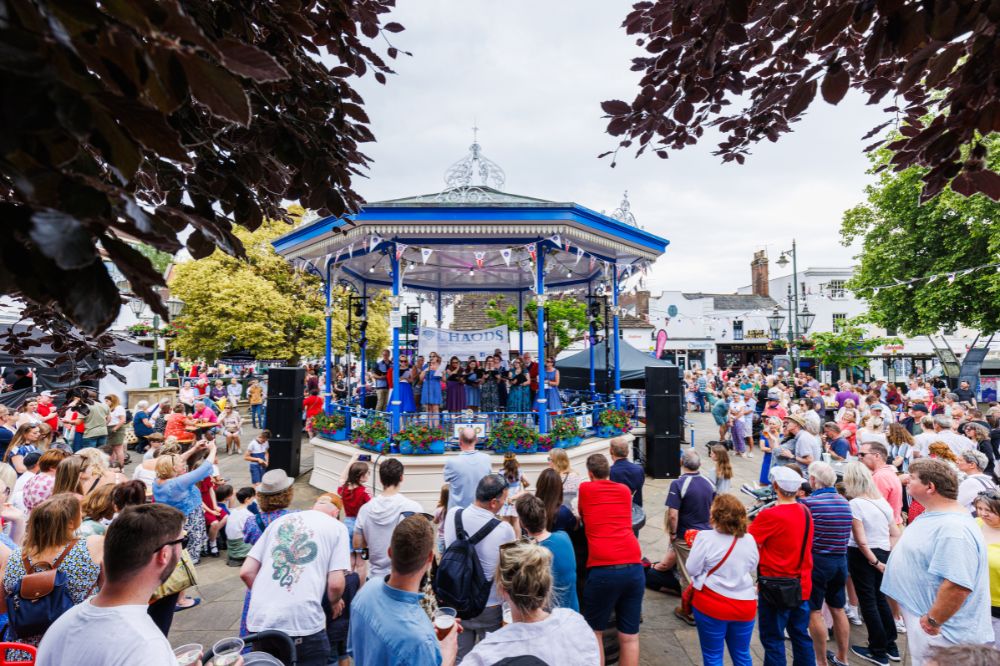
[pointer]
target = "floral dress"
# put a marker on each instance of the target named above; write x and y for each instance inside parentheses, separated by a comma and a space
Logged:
(519, 396)
(252, 532)
(81, 572)
(489, 396)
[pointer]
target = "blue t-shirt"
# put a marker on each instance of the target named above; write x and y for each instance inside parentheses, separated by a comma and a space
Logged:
(388, 626)
(941, 545)
(840, 447)
(463, 473)
(381, 379)
(563, 570)
(693, 509)
(140, 428)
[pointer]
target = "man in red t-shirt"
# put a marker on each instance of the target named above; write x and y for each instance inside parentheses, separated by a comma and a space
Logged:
(784, 536)
(615, 579)
(47, 411)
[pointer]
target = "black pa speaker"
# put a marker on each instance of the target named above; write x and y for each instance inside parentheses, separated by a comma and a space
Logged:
(663, 456)
(664, 421)
(284, 418)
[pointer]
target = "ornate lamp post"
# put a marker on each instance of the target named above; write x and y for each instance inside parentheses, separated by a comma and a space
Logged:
(138, 307)
(801, 319)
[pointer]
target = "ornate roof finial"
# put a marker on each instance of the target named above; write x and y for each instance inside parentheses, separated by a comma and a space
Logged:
(475, 170)
(624, 212)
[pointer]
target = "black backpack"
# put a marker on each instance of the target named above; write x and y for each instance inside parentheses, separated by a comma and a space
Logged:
(460, 582)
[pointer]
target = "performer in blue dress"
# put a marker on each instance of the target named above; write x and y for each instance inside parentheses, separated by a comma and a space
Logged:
(519, 395)
(430, 393)
(409, 405)
(553, 404)
(473, 378)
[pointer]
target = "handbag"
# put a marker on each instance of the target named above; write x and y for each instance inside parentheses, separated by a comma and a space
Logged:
(780, 592)
(130, 437)
(40, 597)
(181, 578)
(687, 596)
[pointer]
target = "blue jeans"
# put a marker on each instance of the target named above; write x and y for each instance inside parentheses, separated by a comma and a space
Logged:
(715, 634)
(702, 397)
(771, 625)
(257, 416)
(90, 442)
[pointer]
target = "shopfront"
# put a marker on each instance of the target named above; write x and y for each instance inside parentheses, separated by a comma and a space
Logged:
(689, 354)
(739, 354)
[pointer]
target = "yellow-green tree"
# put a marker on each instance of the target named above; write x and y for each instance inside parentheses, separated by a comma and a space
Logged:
(261, 304)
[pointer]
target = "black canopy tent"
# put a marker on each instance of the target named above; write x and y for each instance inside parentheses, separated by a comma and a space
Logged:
(574, 371)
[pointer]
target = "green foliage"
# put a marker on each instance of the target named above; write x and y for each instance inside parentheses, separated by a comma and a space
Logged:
(372, 436)
(512, 434)
(160, 260)
(614, 418)
(328, 425)
(846, 348)
(563, 428)
(261, 304)
(420, 436)
(565, 320)
(903, 239)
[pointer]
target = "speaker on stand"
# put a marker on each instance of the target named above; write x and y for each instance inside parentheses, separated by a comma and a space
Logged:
(664, 421)
(285, 387)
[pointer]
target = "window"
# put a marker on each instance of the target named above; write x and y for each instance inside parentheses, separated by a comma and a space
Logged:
(838, 321)
(837, 289)
(737, 330)
(891, 332)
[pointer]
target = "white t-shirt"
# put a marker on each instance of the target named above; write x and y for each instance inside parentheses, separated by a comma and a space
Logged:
(257, 446)
(376, 521)
(234, 525)
(564, 637)
(488, 550)
(80, 636)
(972, 486)
(957, 443)
(734, 579)
(116, 416)
(865, 435)
(923, 441)
(17, 495)
(296, 552)
(875, 516)
(918, 395)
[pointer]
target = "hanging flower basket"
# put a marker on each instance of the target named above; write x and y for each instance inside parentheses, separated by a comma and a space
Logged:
(514, 436)
(420, 439)
(565, 432)
(332, 427)
(612, 422)
(372, 436)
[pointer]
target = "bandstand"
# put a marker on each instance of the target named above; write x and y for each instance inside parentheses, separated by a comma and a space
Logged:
(469, 238)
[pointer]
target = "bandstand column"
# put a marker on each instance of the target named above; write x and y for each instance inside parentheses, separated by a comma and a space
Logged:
(541, 402)
(395, 403)
(520, 323)
(363, 348)
(440, 319)
(614, 320)
(592, 331)
(328, 396)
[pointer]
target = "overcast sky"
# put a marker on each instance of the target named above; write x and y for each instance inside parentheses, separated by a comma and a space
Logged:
(533, 74)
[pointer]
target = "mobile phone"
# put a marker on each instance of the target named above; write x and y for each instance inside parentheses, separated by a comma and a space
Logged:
(365, 457)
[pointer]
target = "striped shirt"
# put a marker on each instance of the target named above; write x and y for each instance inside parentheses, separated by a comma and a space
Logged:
(832, 517)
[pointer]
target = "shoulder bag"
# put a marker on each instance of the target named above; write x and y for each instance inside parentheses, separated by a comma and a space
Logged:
(687, 596)
(780, 592)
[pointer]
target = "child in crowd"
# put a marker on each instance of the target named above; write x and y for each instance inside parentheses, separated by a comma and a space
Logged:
(439, 514)
(353, 494)
(223, 495)
(239, 513)
(214, 519)
(516, 484)
(258, 456)
(722, 475)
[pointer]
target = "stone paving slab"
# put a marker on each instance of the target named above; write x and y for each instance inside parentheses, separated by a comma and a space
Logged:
(663, 638)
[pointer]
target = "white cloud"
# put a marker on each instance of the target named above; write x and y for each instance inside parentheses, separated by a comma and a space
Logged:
(533, 74)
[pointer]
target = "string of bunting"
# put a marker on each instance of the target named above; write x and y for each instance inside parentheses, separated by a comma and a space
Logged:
(950, 276)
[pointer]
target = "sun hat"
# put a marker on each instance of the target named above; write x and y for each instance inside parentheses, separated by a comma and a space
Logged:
(274, 481)
(797, 418)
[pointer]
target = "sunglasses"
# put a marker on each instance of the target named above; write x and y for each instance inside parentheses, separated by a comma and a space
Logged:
(989, 494)
(183, 541)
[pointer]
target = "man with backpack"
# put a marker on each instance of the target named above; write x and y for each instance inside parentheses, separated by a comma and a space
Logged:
(465, 582)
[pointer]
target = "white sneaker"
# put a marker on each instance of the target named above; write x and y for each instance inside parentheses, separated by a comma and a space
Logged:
(900, 626)
(749, 455)
(852, 615)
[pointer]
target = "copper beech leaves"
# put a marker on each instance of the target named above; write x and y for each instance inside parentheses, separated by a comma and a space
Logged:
(147, 119)
(751, 68)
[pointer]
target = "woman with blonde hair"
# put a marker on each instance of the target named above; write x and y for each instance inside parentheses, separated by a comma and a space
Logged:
(98, 510)
(873, 534)
(97, 470)
(50, 538)
(722, 476)
(146, 471)
(560, 636)
(116, 430)
(901, 446)
(871, 431)
(559, 461)
(68, 475)
(177, 487)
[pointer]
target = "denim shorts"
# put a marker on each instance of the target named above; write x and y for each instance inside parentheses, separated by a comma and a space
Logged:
(618, 588)
(829, 575)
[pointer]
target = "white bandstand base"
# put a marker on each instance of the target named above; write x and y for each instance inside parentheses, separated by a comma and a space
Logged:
(423, 475)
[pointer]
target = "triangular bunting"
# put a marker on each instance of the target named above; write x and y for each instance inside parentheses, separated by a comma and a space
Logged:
(425, 254)
(400, 249)
(374, 242)
(505, 253)
(480, 256)
(530, 247)
(579, 256)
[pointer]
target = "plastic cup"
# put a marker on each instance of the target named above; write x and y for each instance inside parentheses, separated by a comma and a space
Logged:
(444, 621)
(227, 651)
(188, 655)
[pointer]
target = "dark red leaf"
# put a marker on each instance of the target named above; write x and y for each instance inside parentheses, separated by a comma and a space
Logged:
(249, 61)
(835, 85)
(616, 107)
(216, 88)
(800, 100)
(393, 27)
(683, 112)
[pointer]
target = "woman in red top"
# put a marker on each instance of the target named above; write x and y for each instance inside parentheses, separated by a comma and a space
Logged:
(313, 405)
(354, 494)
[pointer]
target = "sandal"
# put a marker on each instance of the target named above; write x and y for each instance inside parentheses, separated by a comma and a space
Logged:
(194, 602)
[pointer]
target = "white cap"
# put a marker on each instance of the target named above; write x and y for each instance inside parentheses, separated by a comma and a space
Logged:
(786, 478)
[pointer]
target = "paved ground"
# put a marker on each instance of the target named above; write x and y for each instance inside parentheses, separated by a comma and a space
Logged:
(663, 638)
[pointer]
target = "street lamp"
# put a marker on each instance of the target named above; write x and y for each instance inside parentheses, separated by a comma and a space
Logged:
(137, 307)
(801, 320)
(805, 319)
(774, 322)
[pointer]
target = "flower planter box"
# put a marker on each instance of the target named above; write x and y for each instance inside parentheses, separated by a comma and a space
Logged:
(377, 447)
(338, 435)
(608, 432)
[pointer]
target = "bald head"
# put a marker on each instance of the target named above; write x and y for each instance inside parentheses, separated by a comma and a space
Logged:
(467, 439)
(619, 448)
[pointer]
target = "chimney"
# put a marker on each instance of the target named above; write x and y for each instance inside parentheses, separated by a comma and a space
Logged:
(758, 274)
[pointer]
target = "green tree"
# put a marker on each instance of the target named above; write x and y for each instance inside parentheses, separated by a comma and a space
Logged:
(262, 304)
(565, 318)
(903, 240)
(847, 347)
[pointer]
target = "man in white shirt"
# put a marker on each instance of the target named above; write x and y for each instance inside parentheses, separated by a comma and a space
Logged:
(141, 550)
(491, 495)
(379, 517)
(917, 393)
(299, 558)
(805, 448)
(943, 433)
